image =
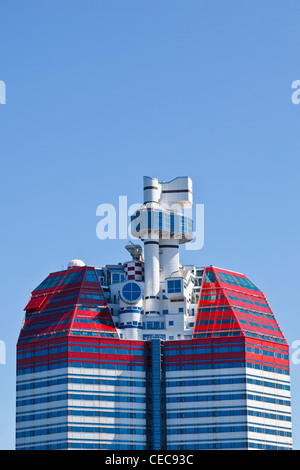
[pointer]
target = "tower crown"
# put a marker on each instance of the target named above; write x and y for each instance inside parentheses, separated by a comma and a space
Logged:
(161, 214)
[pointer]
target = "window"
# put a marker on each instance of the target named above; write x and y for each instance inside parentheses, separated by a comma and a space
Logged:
(115, 278)
(243, 282)
(171, 323)
(73, 277)
(52, 281)
(210, 277)
(225, 277)
(174, 286)
(90, 276)
(131, 292)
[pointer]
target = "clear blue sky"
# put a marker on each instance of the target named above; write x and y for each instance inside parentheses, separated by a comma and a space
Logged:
(101, 93)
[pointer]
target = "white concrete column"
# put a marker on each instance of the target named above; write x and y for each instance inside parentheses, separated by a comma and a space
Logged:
(168, 257)
(151, 190)
(151, 266)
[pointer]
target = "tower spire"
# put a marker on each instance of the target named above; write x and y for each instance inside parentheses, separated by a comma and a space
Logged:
(162, 226)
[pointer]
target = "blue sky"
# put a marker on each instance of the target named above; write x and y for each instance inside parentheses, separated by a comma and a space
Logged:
(101, 93)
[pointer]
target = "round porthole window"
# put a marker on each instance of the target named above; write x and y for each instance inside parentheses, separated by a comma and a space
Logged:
(131, 292)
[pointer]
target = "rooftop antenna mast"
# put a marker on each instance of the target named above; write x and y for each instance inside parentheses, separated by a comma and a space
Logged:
(136, 251)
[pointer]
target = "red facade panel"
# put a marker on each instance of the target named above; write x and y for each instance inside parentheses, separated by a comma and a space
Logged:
(230, 305)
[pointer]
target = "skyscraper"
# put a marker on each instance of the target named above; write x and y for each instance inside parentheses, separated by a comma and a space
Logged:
(150, 353)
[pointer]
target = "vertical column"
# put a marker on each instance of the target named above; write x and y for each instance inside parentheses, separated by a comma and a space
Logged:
(155, 395)
(151, 247)
(151, 267)
(151, 190)
(168, 257)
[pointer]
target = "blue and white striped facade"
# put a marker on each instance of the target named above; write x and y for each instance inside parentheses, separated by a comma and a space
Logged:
(92, 408)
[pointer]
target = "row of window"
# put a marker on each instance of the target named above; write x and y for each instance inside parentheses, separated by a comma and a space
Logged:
(227, 445)
(81, 429)
(62, 298)
(246, 300)
(254, 313)
(265, 399)
(85, 320)
(42, 336)
(103, 350)
(228, 412)
(93, 413)
(266, 352)
(140, 352)
(212, 413)
(117, 382)
(120, 366)
(265, 337)
(211, 309)
(154, 325)
(218, 334)
(80, 396)
(162, 337)
(272, 369)
(158, 220)
(95, 320)
(274, 432)
(49, 312)
(219, 321)
(102, 334)
(205, 350)
(237, 281)
(41, 352)
(95, 296)
(207, 430)
(257, 325)
(254, 364)
(212, 297)
(226, 365)
(207, 397)
(256, 445)
(230, 396)
(64, 445)
(58, 311)
(84, 365)
(214, 309)
(51, 281)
